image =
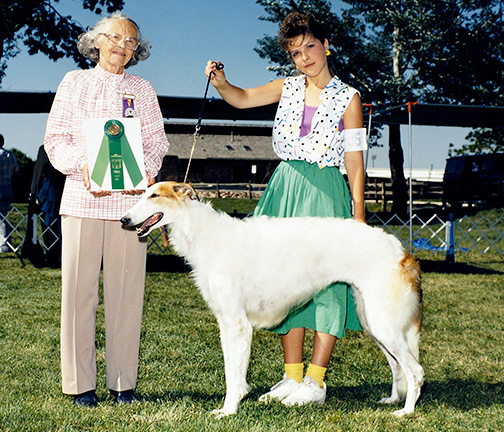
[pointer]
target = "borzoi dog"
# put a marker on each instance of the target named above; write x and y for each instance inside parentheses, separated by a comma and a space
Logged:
(252, 272)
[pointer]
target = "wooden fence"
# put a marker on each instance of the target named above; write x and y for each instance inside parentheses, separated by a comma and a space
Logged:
(377, 189)
(380, 190)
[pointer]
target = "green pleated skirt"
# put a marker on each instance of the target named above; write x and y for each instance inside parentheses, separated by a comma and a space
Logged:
(299, 189)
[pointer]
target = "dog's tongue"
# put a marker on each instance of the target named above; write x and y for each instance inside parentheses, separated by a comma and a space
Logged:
(144, 228)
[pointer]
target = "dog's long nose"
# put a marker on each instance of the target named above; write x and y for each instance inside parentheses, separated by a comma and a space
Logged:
(126, 221)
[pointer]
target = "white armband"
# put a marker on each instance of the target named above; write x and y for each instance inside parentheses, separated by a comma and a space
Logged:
(354, 139)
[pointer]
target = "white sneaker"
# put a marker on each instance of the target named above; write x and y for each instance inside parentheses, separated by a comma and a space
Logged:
(306, 392)
(280, 390)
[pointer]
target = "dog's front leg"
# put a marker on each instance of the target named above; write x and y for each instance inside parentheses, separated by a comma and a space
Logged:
(236, 340)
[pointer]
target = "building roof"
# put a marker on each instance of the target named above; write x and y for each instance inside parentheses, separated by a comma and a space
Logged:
(172, 107)
(221, 141)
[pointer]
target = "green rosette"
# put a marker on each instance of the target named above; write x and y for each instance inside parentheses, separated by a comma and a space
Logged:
(116, 151)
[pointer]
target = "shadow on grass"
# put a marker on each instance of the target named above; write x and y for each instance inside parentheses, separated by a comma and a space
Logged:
(166, 264)
(463, 394)
(458, 394)
(443, 267)
(173, 396)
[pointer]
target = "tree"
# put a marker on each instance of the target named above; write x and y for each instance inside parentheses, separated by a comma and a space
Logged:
(481, 141)
(448, 51)
(350, 57)
(39, 25)
(398, 51)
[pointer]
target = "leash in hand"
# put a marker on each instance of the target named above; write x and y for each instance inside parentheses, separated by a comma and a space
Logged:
(218, 66)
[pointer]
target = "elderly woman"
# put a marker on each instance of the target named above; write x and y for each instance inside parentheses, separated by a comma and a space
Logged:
(92, 235)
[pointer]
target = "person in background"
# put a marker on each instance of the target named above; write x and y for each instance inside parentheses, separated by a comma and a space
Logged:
(90, 220)
(8, 166)
(45, 198)
(318, 127)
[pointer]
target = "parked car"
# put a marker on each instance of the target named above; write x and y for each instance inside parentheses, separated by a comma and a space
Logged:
(474, 180)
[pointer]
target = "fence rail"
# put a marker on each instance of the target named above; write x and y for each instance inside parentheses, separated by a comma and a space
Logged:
(467, 233)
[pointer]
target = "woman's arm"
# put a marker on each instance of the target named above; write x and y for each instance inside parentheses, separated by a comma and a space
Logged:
(243, 98)
(64, 154)
(354, 162)
(355, 170)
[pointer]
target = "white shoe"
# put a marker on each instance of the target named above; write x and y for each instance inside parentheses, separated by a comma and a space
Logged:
(280, 390)
(306, 392)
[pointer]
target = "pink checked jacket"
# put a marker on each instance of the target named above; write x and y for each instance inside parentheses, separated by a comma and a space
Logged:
(96, 93)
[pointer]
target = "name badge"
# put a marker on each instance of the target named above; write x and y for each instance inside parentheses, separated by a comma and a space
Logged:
(128, 105)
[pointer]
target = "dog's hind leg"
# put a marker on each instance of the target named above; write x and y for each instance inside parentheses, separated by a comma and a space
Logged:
(236, 340)
(415, 376)
(412, 372)
(399, 383)
(412, 369)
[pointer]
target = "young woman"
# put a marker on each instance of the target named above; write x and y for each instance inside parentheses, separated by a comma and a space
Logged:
(318, 127)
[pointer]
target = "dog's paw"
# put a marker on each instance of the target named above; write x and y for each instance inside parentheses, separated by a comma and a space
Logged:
(389, 400)
(220, 413)
(402, 412)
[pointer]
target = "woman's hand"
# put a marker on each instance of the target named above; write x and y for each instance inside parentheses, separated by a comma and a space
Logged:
(243, 98)
(150, 181)
(216, 73)
(87, 184)
(102, 193)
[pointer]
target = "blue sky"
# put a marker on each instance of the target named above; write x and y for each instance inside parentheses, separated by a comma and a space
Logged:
(184, 35)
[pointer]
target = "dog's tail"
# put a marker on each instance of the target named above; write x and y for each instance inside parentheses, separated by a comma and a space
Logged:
(410, 273)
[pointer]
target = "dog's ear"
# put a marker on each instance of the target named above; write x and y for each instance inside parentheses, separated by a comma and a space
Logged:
(185, 191)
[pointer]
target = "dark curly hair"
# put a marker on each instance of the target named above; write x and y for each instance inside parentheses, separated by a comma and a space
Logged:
(296, 24)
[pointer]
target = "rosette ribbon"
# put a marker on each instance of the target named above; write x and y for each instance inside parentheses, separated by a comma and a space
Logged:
(116, 151)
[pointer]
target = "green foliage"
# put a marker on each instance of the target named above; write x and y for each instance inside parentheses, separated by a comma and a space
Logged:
(181, 374)
(347, 57)
(39, 25)
(433, 50)
(481, 141)
(22, 159)
(412, 50)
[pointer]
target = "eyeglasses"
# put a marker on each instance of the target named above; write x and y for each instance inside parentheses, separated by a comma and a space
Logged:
(130, 43)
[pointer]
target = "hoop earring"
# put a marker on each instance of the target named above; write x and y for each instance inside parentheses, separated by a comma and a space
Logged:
(328, 53)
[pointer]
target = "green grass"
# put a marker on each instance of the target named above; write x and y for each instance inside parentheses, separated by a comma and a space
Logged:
(181, 375)
(231, 205)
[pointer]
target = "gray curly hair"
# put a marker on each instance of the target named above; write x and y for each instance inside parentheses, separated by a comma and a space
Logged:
(86, 43)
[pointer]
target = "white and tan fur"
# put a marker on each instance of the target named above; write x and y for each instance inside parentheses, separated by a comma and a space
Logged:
(252, 272)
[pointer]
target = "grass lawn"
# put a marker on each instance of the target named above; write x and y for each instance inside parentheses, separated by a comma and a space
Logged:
(181, 375)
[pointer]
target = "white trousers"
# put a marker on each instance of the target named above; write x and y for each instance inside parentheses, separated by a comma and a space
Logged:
(86, 245)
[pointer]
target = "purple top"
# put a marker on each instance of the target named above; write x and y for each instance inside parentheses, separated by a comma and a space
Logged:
(309, 112)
